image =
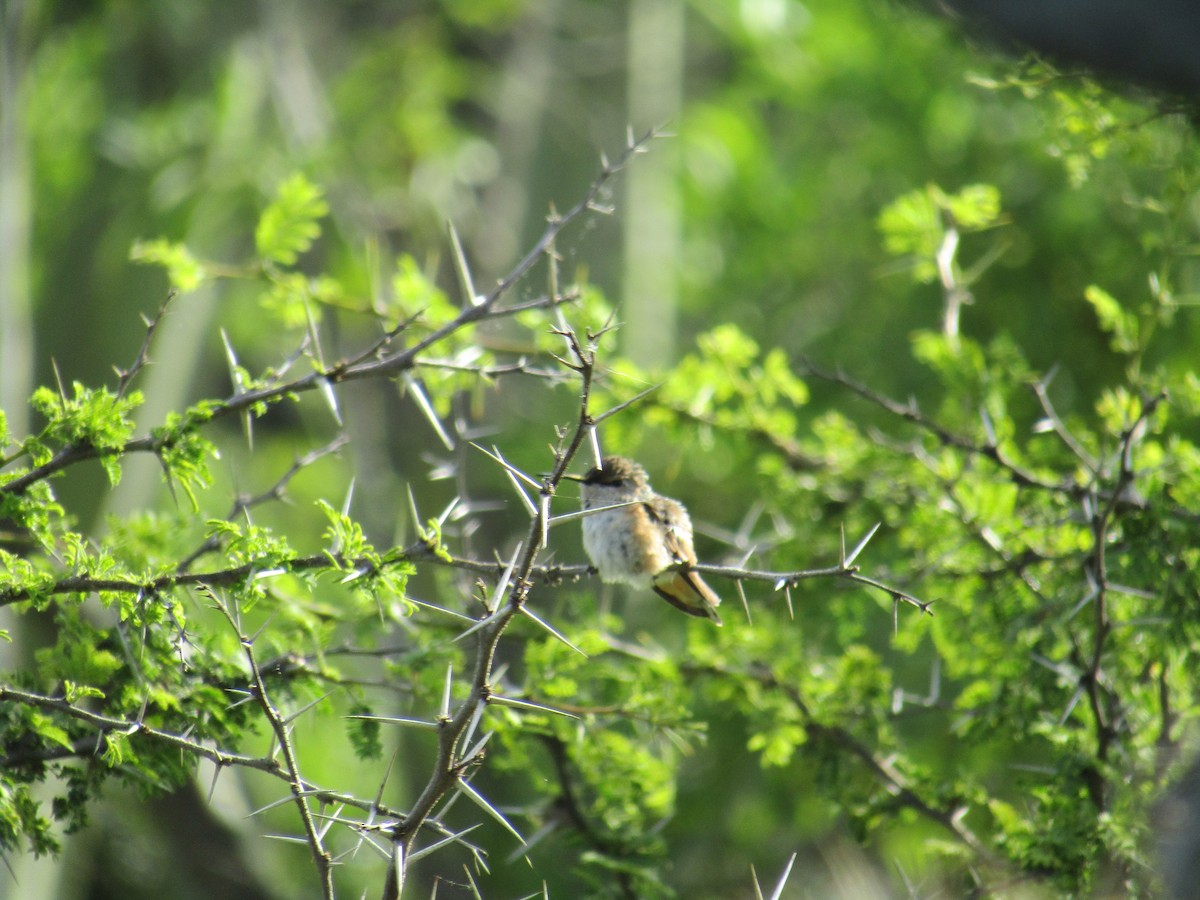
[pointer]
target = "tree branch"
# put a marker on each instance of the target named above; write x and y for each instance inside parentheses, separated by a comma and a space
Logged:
(449, 766)
(400, 361)
(281, 730)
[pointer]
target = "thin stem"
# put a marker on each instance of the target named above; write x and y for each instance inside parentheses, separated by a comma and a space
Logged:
(321, 857)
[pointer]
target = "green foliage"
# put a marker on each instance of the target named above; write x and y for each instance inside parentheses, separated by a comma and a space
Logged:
(416, 293)
(185, 272)
(288, 226)
(21, 821)
(184, 452)
(915, 225)
(1123, 326)
(345, 538)
(365, 734)
(97, 419)
(991, 698)
(728, 386)
(999, 513)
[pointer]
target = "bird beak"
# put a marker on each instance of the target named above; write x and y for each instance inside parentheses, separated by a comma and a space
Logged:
(567, 477)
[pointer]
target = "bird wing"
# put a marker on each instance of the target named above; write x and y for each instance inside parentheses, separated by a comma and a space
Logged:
(678, 584)
(687, 592)
(677, 530)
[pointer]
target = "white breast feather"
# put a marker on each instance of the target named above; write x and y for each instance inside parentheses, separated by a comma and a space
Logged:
(607, 541)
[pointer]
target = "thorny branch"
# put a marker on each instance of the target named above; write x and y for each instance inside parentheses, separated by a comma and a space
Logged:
(125, 376)
(1100, 511)
(138, 728)
(911, 413)
(280, 728)
(230, 577)
(1109, 487)
(390, 364)
(782, 580)
(451, 765)
(423, 553)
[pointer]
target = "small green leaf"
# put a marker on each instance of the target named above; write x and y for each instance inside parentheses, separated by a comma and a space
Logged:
(415, 292)
(288, 226)
(345, 536)
(185, 272)
(779, 744)
(911, 226)
(45, 727)
(184, 453)
(73, 692)
(1120, 324)
(364, 733)
(976, 206)
(116, 749)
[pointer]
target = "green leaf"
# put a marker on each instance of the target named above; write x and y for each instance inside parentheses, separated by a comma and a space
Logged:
(117, 749)
(98, 418)
(911, 226)
(45, 727)
(73, 692)
(364, 733)
(915, 224)
(288, 226)
(345, 536)
(974, 207)
(777, 745)
(184, 453)
(19, 820)
(415, 292)
(1121, 324)
(295, 298)
(95, 418)
(184, 271)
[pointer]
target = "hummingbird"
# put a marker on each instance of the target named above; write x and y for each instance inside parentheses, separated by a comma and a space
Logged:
(647, 543)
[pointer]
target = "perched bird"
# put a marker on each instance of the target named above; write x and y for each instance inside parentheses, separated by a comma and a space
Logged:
(647, 543)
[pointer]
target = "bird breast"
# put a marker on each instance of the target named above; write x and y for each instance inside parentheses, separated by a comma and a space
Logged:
(623, 544)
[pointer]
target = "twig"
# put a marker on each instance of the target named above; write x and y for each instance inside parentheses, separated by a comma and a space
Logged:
(417, 552)
(125, 376)
(893, 781)
(1040, 391)
(246, 400)
(1100, 512)
(277, 491)
(321, 857)
(234, 575)
(789, 579)
(909, 412)
(450, 763)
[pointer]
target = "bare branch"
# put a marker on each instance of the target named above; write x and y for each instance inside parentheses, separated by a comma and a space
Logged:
(279, 726)
(126, 376)
(448, 768)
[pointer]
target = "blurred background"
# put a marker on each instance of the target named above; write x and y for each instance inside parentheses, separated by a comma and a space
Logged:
(787, 128)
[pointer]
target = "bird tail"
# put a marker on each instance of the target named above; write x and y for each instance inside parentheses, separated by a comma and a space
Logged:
(685, 590)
